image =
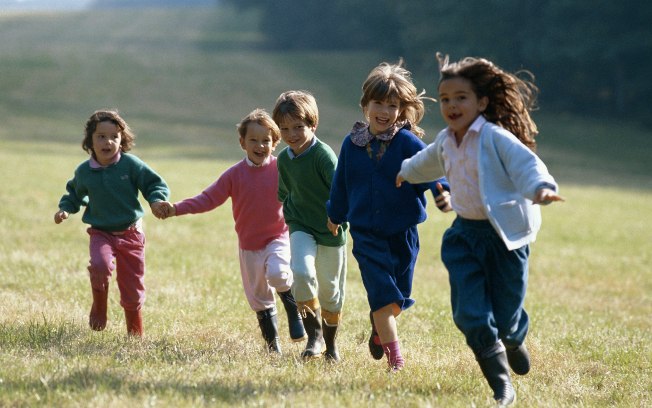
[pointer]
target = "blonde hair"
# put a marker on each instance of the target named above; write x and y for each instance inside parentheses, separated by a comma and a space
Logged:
(392, 81)
(107, 115)
(510, 98)
(261, 117)
(299, 105)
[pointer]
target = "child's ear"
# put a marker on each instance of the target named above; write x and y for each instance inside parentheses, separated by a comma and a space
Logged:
(242, 143)
(483, 103)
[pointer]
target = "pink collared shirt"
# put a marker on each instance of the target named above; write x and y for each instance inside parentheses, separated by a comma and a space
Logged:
(96, 165)
(256, 210)
(462, 171)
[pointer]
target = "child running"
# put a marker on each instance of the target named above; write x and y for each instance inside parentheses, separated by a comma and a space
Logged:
(487, 155)
(383, 218)
(107, 184)
(263, 239)
(306, 168)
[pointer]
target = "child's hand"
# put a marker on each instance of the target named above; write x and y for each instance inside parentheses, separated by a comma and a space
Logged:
(399, 180)
(443, 200)
(60, 216)
(333, 228)
(545, 196)
(162, 209)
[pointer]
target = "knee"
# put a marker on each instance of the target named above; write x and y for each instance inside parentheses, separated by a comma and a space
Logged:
(280, 279)
(100, 267)
(302, 272)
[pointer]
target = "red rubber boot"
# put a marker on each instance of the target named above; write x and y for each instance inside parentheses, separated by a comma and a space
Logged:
(134, 320)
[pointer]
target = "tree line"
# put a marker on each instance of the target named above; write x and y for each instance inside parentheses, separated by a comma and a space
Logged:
(588, 56)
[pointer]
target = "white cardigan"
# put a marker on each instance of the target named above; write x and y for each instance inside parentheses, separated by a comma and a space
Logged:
(509, 175)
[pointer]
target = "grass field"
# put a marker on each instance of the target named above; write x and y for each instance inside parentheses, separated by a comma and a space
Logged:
(183, 90)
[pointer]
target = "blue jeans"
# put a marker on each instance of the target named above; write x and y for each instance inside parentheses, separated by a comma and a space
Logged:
(488, 284)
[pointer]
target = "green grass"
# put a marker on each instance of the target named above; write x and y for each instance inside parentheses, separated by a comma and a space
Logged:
(183, 79)
(589, 300)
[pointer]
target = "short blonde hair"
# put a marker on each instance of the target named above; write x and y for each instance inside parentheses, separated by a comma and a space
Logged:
(261, 117)
(298, 105)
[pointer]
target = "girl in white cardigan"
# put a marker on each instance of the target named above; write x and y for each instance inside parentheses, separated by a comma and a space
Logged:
(487, 155)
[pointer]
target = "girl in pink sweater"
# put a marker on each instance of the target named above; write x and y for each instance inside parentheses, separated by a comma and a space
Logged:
(264, 244)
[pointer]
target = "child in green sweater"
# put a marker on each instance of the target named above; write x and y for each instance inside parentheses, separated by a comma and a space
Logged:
(107, 184)
(318, 259)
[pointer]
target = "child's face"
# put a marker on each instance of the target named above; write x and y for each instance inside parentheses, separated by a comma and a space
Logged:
(297, 134)
(106, 142)
(459, 105)
(258, 143)
(382, 114)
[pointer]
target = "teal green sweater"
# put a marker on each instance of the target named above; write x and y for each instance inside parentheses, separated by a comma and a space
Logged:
(304, 188)
(110, 193)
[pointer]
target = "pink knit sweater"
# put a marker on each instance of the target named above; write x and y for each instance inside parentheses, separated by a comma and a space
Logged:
(257, 212)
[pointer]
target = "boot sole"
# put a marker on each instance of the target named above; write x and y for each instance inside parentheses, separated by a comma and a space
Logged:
(299, 339)
(312, 357)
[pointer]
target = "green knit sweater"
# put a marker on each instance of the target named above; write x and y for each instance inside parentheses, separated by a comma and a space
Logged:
(304, 188)
(110, 193)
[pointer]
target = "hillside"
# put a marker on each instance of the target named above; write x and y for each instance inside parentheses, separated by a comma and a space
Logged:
(184, 77)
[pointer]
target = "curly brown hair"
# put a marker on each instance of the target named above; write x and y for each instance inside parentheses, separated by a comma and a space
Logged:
(392, 81)
(510, 97)
(107, 115)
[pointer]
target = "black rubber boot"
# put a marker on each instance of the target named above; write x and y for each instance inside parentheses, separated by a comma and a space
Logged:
(269, 327)
(330, 334)
(295, 323)
(518, 358)
(312, 324)
(496, 371)
(376, 350)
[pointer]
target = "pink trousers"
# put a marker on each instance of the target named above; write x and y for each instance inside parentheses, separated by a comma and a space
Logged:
(265, 271)
(125, 253)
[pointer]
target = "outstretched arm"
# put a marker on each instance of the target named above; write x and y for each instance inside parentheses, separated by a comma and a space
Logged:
(545, 196)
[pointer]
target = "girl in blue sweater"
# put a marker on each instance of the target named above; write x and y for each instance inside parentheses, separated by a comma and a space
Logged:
(383, 219)
(487, 155)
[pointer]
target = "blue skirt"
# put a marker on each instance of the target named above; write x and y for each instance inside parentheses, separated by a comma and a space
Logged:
(387, 266)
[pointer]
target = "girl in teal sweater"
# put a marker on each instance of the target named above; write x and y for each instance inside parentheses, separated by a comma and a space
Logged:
(107, 184)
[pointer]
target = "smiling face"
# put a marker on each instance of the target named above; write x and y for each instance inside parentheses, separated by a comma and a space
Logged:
(258, 143)
(106, 142)
(459, 105)
(297, 134)
(382, 114)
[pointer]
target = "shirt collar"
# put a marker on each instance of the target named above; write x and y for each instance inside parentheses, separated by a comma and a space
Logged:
(474, 129)
(294, 156)
(361, 136)
(96, 165)
(264, 163)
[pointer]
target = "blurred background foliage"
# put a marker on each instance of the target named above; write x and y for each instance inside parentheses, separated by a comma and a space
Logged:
(589, 56)
(185, 71)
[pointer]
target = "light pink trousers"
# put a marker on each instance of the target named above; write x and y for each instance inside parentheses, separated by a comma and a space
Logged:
(264, 271)
(124, 253)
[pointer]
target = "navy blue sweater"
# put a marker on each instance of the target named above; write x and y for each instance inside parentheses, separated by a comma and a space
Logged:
(364, 190)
